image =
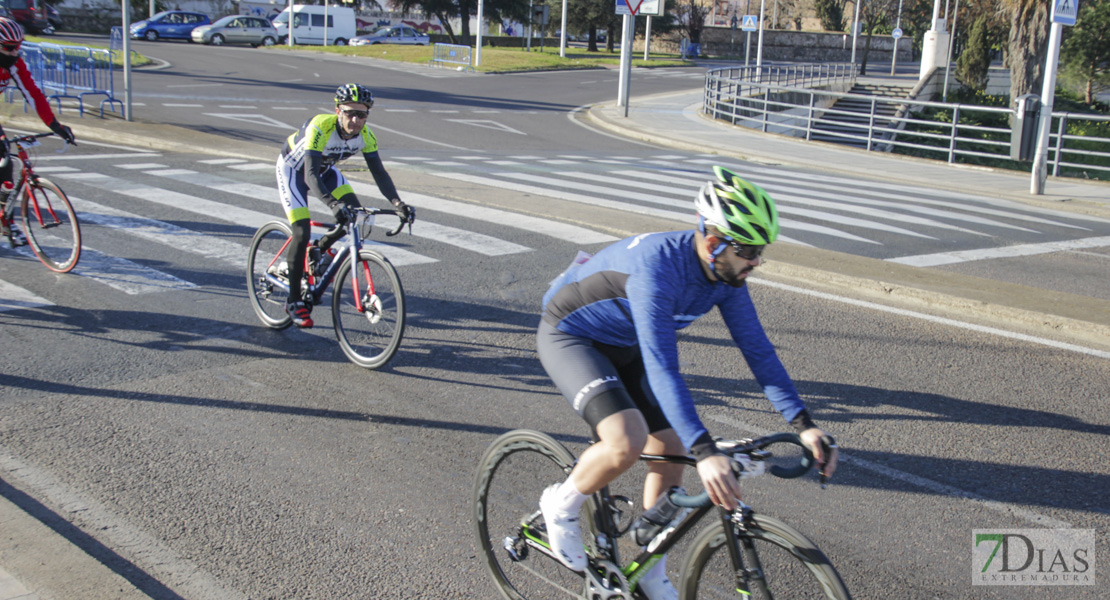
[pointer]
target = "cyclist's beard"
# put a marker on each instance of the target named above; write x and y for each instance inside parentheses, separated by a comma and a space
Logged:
(733, 277)
(6, 61)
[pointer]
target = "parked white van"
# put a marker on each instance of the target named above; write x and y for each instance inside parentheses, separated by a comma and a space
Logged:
(309, 25)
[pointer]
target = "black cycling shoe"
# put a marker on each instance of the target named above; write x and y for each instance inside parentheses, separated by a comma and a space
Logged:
(300, 313)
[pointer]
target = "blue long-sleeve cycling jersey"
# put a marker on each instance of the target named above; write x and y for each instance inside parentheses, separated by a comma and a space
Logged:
(641, 291)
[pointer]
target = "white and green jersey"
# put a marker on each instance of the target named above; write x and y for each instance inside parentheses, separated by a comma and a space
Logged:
(321, 134)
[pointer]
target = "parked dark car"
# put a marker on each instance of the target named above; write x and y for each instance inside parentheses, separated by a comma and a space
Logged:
(170, 24)
(54, 18)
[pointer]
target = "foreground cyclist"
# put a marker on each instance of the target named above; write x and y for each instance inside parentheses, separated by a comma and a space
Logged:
(608, 341)
(14, 71)
(307, 163)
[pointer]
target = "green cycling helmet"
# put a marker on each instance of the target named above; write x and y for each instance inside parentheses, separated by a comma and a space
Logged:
(738, 208)
(353, 92)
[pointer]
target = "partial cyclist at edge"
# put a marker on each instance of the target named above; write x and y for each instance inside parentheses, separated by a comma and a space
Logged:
(308, 163)
(14, 71)
(608, 339)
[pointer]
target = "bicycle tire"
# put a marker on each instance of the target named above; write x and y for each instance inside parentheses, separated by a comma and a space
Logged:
(793, 566)
(369, 337)
(512, 475)
(267, 250)
(51, 225)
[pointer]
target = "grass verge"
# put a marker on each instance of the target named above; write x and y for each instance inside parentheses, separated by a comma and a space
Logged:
(502, 60)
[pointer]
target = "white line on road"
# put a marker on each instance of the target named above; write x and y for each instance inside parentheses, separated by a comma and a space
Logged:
(219, 210)
(13, 297)
(959, 256)
(941, 320)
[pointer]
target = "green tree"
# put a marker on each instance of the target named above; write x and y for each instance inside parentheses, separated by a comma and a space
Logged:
(973, 66)
(1086, 48)
(831, 14)
(586, 17)
(872, 15)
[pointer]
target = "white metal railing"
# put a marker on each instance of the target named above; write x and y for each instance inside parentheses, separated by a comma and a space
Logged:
(799, 101)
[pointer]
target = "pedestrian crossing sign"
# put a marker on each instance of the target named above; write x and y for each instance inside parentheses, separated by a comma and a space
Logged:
(749, 23)
(1065, 11)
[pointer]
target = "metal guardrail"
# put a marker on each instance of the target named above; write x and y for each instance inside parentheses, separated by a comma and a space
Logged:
(795, 100)
(70, 72)
(451, 54)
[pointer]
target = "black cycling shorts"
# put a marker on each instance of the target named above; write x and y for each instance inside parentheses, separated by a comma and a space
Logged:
(585, 371)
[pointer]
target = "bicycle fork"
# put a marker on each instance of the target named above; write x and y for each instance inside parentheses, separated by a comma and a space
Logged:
(741, 549)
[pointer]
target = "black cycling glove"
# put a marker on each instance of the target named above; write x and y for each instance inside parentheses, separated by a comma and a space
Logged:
(408, 212)
(63, 132)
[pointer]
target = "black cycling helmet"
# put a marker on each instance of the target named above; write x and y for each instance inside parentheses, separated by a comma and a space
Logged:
(353, 92)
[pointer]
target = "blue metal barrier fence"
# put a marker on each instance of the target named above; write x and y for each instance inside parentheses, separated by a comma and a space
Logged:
(70, 72)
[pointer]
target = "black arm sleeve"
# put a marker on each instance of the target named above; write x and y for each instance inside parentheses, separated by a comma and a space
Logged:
(313, 166)
(381, 177)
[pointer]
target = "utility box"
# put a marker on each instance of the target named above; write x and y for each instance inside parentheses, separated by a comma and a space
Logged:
(1023, 136)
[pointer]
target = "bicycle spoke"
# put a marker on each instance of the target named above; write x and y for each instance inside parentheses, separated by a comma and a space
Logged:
(512, 476)
(792, 567)
(51, 226)
(368, 310)
(264, 263)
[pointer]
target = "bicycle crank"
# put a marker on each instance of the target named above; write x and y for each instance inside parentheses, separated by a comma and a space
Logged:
(604, 581)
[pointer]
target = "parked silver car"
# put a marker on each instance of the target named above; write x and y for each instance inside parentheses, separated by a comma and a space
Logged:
(237, 29)
(392, 34)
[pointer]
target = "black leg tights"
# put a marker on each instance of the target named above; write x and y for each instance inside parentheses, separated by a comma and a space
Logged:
(294, 256)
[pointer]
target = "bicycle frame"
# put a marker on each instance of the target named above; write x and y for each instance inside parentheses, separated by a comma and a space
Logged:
(739, 553)
(318, 284)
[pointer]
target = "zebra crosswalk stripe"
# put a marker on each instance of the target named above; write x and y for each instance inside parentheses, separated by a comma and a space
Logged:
(13, 297)
(217, 210)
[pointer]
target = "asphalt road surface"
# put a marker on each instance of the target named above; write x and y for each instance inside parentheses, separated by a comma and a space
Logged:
(200, 455)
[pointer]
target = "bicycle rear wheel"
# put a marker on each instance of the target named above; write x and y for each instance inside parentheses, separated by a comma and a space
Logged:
(792, 566)
(370, 330)
(51, 225)
(512, 475)
(267, 256)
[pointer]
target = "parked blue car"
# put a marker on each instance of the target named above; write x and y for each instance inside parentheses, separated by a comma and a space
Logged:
(170, 24)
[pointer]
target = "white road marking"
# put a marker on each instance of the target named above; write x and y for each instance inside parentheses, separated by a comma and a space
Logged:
(137, 166)
(167, 234)
(960, 256)
(13, 297)
(941, 320)
(219, 210)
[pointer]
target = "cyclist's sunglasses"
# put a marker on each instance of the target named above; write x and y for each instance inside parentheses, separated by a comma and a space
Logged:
(11, 46)
(746, 251)
(357, 114)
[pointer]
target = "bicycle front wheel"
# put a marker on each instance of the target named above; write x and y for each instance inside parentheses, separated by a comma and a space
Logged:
(368, 309)
(512, 476)
(51, 225)
(792, 566)
(267, 257)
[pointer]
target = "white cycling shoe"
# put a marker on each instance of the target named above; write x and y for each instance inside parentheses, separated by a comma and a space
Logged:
(656, 586)
(563, 533)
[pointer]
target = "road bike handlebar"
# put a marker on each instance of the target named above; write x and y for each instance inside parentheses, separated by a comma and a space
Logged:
(25, 139)
(750, 448)
(372, 212)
